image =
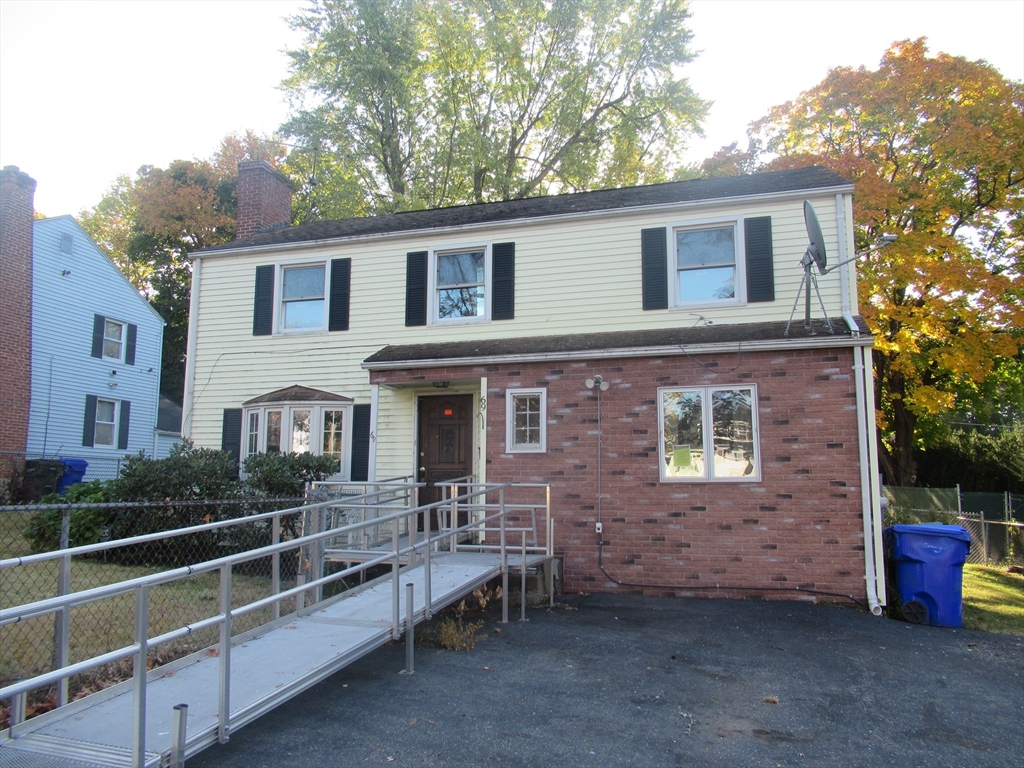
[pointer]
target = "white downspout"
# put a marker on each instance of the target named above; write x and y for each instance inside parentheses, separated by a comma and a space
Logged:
(876, 490)
(865, 426)
(190, 355)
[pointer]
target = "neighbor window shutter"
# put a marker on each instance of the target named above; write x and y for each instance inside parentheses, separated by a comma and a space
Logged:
(341, 286)
(760, 259)
(416, 288)
(654, 265)
(263, 302)
(231, 433)
(503, 267)
(360, 443)
(89, 424)
(98, 323)
(122, 426)
(130, 342)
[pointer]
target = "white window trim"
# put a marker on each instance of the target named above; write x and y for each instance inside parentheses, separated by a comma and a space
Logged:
(124, 340)
(115, 434)
(740, 283)
(316, 437)
(432, 302)
(510, 426)
(279, 269)
(708, 430)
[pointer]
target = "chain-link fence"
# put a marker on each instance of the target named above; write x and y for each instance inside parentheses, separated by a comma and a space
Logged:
(37, 645)
(994, 520)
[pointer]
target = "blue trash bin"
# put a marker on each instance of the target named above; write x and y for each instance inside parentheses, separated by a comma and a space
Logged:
(929, 568)
(74, 471)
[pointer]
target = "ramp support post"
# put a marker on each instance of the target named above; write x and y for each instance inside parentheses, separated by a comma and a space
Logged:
(410, 639)
(178, 726)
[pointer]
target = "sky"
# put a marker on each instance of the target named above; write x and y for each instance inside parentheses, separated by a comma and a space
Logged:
(92, 90)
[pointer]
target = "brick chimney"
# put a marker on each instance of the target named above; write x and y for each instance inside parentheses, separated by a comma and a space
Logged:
(264, 199)
(17, 196)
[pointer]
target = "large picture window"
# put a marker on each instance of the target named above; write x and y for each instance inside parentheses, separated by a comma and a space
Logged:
(526, 423)
(282, 427)
(708, 433)
(707, 267)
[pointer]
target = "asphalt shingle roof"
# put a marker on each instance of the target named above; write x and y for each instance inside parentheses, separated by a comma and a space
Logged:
(737, 333)
(815, 177)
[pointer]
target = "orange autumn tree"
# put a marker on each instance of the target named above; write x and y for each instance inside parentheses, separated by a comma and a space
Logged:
(935, 147)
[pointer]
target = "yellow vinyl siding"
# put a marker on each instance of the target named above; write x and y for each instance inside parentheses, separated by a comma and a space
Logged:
(573, 275)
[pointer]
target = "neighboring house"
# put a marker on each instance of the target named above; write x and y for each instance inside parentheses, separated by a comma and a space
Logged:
(627, 346)
(94, 376)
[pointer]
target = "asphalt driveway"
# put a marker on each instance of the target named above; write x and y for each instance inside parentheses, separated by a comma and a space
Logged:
(634, 681)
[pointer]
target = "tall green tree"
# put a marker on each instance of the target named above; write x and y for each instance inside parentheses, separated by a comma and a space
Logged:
(935, 147)
(427, 103)
(148, 225)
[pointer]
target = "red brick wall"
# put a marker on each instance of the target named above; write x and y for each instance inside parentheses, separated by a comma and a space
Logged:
(264, 198)
(17, 194)
(799, 526)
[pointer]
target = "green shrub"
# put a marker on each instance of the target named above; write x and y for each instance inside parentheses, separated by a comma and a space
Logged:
(43, 533)
(284, 475)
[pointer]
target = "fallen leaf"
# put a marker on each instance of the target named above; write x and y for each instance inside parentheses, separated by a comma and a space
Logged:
(291, 626)
(771, 699)
(213, 652)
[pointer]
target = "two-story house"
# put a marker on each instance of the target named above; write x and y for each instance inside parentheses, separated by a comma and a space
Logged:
(631, 347)
(90, 381)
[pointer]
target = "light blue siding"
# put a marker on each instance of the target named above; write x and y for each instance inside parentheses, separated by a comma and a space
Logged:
(68, 291)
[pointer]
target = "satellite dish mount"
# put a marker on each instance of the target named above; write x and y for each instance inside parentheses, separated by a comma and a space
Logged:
(814, 256)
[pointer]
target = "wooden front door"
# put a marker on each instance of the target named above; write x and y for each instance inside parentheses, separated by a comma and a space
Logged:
(445, 449)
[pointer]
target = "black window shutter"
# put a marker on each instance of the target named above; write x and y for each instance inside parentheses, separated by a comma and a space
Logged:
(231, 433)
(89, 424)
(98, 323)
(129, 349)
(122, 427)
(360, 443)
(654, 260)
(760, 260)
(263, 304)
(341, 287)
(416, 288)
(503, 267)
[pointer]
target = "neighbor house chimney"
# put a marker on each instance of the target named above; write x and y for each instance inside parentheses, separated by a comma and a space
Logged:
(264, 199)
(17, 195)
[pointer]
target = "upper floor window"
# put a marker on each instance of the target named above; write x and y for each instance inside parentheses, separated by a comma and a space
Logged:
(708, 433)
(461, 284)
(302, 297)
(707, 264)
(526, 423)
(297, 298)
(113, 339)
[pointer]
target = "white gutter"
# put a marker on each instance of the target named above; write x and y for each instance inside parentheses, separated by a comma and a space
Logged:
(190, 354)
(818, 342)
(601, 213)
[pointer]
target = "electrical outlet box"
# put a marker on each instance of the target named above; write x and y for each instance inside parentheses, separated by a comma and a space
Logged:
(600, 528)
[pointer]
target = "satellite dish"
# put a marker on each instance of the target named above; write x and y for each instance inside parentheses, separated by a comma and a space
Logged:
(816, 246)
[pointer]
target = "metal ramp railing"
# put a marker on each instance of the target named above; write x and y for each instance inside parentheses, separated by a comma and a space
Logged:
(136, 723)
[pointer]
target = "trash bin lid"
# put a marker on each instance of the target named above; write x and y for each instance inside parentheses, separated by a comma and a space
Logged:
(79, 464)
(932, 529)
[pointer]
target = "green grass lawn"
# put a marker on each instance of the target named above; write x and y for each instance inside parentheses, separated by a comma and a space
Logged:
(993, 599)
